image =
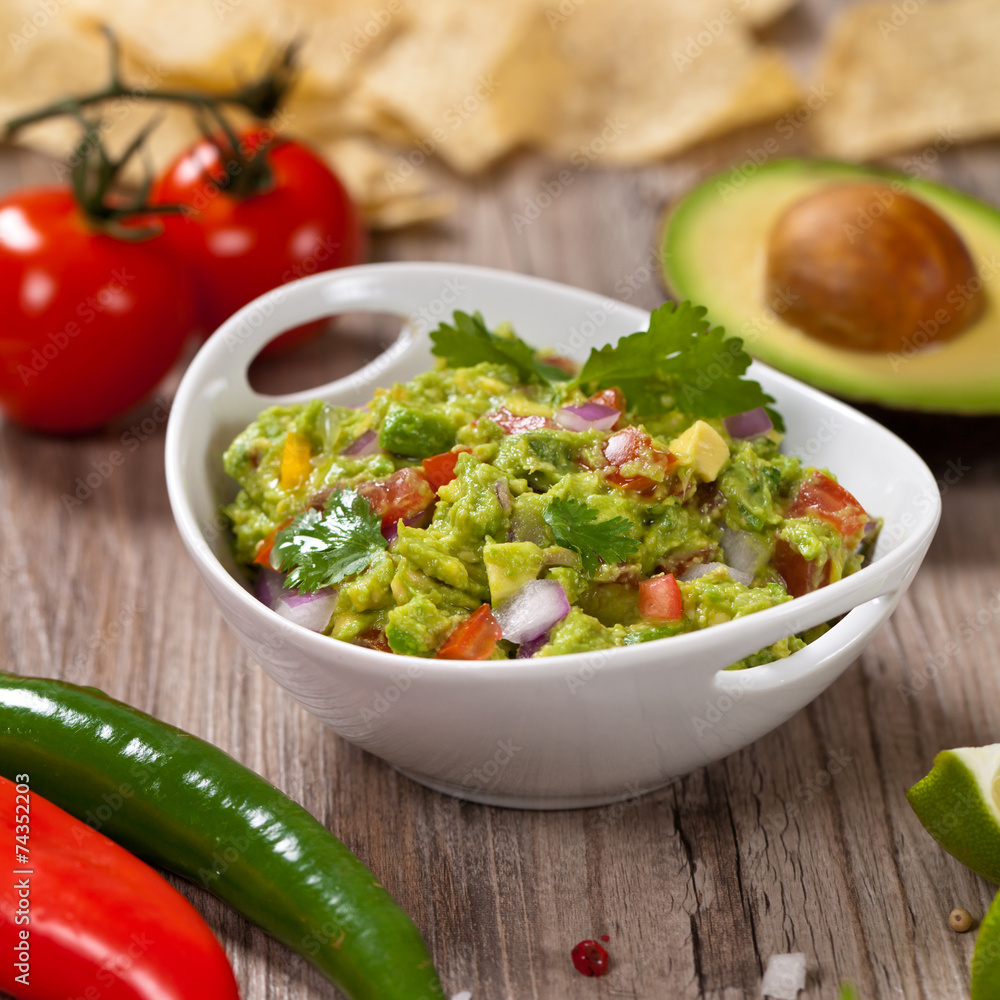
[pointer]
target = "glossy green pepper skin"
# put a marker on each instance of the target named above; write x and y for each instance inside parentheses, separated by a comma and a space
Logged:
(187, 806)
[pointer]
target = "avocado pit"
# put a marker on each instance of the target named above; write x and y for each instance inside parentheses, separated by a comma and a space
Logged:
(866, 267)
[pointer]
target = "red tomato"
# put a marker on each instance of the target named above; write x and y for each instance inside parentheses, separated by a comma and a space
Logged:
(240, 247)
(626, 446)
(612, 397)
(513, 423)
(660, 598)
(405, 494)
(440, 469)
(800, 575)
(473, 639)
(91, 322)
(821, 496)
(263, 555)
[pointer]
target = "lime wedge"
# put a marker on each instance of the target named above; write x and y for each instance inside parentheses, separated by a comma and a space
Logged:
(986, 957)
(959, 804)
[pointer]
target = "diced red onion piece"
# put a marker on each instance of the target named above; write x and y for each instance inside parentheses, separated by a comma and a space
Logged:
(702, 568)
(750, 424)
(419, 520)
(871, 526)
(589, 416)
(744, 551)
(528, 649)
(366, 444)
(270, 586)
(311, 611)
(502, 491)
(532, 611)
(784, 977)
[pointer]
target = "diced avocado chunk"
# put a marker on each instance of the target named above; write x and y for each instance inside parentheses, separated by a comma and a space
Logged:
(416, 433)
(418, 627)
(509, 566)
(703, 448)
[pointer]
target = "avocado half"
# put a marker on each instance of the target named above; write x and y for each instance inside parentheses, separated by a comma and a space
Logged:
(714, 253)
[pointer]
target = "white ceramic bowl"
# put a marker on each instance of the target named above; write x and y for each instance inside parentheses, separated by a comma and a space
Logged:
(567, 731)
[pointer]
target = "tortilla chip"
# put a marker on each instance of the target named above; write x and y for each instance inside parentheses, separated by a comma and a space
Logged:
(762, 12)
(441, 78)
(389, 190)
(691, 71)
(901, 80)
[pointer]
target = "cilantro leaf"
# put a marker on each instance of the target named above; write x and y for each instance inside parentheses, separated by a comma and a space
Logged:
(679, 362)
(321, 548)
(469, 343)
(576, 527)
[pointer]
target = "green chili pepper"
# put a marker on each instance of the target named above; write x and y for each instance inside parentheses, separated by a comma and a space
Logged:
(187, 806)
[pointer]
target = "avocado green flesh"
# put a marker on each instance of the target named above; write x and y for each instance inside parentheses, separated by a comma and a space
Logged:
(714, 251)
(477, 549)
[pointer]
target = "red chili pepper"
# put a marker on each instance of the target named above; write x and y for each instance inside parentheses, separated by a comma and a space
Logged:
(83, 917)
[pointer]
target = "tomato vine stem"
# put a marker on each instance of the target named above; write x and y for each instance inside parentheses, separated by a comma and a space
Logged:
(260, 97)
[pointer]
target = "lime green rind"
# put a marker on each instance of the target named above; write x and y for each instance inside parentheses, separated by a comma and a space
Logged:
(700, 274)
(956, 805)
(985, 983)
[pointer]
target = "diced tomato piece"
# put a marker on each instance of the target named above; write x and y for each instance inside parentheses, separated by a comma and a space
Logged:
(820, 496)
(263, 556)
(473, 639)
(801, 575)
(660, 598)
(612, 397)
(373, 638)
(634, 484)
(626, 446)
(440, 469)
(405, 494)
(514, 423)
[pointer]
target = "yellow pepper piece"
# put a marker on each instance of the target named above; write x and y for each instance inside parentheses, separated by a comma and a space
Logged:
(295, 460)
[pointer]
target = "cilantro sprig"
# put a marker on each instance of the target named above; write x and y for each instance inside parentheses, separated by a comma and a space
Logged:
(575, 526)
(468, 342)
(321, 548)
(678, 362)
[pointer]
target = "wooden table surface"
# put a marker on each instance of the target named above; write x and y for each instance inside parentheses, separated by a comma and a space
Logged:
(801, 842)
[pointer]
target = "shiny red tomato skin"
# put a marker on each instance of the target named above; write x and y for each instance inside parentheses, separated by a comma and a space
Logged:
(91, 322)
(240, 247)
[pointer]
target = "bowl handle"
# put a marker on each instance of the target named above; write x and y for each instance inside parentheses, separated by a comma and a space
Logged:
(234, 345)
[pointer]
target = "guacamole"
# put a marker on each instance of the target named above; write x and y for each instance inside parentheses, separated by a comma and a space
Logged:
(480, 511)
